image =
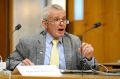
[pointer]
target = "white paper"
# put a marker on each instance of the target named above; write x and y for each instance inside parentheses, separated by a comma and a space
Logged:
(39, 70)
(2, 65)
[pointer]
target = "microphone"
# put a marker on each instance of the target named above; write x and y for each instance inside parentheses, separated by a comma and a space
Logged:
(17, 27)
(82, 61)
(8, 54)
(96, 25)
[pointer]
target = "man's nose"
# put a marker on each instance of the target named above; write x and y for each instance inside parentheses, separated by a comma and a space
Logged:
(62, 22)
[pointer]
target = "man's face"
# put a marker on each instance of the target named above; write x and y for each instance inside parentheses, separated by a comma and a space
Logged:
(56, 23)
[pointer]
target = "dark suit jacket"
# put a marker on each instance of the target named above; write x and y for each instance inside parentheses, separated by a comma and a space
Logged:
(33, 48)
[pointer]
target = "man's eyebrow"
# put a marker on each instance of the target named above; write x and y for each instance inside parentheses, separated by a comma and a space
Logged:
(59, 17)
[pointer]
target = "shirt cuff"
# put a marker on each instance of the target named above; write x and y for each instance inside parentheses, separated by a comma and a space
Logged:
(91, 62)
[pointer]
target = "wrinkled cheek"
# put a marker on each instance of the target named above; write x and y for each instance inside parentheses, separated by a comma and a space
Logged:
(56, 33)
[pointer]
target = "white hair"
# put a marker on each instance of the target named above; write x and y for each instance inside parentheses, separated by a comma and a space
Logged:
(47, 9)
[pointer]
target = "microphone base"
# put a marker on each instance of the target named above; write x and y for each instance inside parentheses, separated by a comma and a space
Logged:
(5, 74)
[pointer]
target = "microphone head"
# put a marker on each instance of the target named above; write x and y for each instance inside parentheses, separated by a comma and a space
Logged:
(97, 24)
(18, 27)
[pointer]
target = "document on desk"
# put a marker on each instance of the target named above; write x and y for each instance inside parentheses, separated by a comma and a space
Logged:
(39, 70)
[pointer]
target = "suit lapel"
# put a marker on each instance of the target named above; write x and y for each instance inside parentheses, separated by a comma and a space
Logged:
(40, 49)
(67, 51)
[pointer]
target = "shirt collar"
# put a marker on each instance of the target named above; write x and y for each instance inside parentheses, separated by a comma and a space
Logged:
(49, 38)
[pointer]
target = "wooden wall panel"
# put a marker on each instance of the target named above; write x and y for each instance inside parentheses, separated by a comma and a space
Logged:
(3, 33)
(11, 25)
(112, 30)
(94, 13)
(105, 39)
(5, 27)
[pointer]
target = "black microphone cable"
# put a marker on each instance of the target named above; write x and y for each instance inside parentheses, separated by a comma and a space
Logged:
(97, 71)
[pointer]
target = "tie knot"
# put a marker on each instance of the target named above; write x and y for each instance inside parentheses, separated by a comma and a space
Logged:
(55, 42)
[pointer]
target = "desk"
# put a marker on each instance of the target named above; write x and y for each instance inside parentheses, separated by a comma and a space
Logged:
(65, 76)
(112, 67)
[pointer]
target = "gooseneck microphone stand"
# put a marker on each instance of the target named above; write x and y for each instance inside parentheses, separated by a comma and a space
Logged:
(8, 53)
(82, 61)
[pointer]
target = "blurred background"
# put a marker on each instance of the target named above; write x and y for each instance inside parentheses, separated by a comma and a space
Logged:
(82, 14)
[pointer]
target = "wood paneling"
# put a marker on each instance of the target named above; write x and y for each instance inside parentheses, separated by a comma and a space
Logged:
(105, 39)
(11, 25)
(3, 27)
(112, 29)
(94, 13)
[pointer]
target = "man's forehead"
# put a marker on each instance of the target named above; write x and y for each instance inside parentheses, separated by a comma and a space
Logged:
(54, 11)
(57, 15)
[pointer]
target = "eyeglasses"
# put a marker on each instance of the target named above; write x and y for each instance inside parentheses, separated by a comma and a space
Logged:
(58, 20)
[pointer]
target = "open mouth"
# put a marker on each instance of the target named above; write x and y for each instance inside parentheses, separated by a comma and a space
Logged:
(60, 29)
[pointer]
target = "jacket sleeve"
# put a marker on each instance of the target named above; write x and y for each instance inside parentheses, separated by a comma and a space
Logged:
(17, 56)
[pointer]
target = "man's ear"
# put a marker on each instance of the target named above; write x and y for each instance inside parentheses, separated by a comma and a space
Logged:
(44, 23)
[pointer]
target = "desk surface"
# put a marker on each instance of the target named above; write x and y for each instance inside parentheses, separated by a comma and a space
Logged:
(66, 76)
(111, 64)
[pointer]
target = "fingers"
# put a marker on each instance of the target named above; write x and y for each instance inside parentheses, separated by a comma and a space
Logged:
(87, 50)
(27, 62)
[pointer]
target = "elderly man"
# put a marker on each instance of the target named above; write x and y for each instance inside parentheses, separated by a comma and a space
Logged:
(53, 46)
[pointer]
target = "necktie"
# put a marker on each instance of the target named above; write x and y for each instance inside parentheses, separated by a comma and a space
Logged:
(54, 59)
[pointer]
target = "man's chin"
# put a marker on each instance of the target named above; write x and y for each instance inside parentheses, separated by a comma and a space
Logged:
(60, 35)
